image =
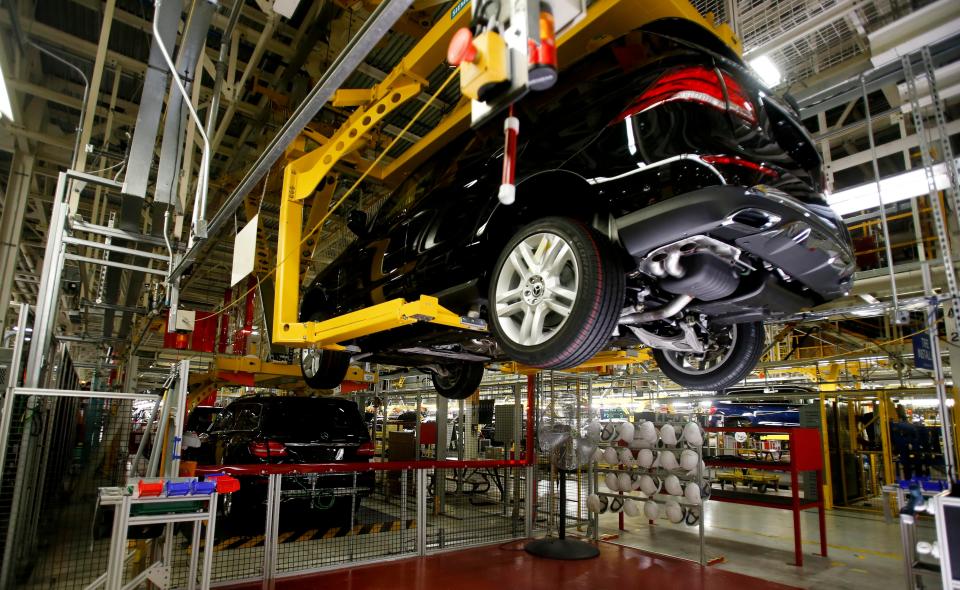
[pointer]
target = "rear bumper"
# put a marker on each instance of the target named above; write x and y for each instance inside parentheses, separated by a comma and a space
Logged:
(809, 243)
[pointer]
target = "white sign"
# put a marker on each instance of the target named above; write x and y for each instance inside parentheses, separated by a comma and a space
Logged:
(244, 251)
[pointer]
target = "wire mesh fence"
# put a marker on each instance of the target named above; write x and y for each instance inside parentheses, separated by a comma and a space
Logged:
(475, 506)
(60, 451)
(334, 519)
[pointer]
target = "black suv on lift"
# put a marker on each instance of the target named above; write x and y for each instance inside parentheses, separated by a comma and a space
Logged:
(664, 198)
(284, 430)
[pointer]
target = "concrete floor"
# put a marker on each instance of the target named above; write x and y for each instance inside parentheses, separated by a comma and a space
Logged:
(863, 551)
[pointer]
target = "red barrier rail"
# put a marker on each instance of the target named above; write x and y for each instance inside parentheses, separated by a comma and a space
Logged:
(298, 468)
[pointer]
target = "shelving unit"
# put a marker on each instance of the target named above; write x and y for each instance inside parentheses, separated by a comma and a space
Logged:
(805, 454)
(700, 478)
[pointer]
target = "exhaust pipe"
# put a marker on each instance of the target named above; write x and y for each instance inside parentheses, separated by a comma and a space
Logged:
(667, 265)
(669, 310)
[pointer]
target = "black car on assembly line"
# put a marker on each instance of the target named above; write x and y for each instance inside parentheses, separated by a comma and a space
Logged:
(289, 430)
(664, 198)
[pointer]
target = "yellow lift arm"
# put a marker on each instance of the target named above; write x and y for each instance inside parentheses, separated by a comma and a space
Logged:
(605, 21)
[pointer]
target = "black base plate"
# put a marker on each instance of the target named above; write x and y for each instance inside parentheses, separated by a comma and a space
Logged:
(553, 548)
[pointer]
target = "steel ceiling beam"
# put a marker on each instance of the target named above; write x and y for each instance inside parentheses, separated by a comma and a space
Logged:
(836, 12)
(140, 158)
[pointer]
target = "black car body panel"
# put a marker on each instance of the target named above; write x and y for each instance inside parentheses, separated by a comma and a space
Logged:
(290, 430)
(598, 149)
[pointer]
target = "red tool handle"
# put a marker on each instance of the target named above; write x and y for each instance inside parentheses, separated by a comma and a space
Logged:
(508, 188)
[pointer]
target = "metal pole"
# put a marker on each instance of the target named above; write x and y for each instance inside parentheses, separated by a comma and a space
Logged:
(200, 200)
(13, 374)
(529, 492)
(898, 317)
(421, 499)
(49, 288)
(221, 70)
(939, 380)
(180, 407)
(208, 545)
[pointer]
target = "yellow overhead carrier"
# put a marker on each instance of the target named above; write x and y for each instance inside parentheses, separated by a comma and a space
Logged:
(605, 21)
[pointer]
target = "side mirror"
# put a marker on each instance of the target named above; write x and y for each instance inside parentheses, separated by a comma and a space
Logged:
(357, 222)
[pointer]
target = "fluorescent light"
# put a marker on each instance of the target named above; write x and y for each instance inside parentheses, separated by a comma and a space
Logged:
(766, 70)
(900, 187)
(6, 109)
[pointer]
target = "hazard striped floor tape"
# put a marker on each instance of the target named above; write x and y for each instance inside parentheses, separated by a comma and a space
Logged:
(247, 541)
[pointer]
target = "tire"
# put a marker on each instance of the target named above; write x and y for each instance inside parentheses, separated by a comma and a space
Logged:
(576, 298)
(742, 357)
(328, 368)
(461, 382)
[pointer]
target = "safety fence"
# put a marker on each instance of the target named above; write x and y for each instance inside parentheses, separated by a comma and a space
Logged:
(308, 518)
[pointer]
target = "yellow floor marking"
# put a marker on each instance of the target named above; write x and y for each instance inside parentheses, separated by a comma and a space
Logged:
(220, 546)
(307, 535)
(284, 536)
(376, 527)
(252, 542)
(885, 554)
(330, 534)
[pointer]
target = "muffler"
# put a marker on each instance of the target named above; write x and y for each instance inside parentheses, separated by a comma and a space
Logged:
(704, 277)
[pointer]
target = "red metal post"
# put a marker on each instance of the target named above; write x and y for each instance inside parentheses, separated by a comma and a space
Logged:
(225, 321)
(531, 386)
(794, 483)
(240, 338)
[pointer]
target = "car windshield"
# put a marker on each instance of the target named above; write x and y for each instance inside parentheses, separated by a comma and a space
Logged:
(306, 418)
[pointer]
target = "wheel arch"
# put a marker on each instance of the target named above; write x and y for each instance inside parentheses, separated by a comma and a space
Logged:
(537, 197)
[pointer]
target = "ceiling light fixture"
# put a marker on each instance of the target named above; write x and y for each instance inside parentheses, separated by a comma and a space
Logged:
(900, 187)
(6, 109)
(767, 71)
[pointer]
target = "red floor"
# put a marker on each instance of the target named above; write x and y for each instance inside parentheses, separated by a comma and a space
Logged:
(509, 567)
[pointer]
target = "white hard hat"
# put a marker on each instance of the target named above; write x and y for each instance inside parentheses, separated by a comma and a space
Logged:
(626, 457)
(668, 460)
(625, 430)
(647, 431)
(692, 434)
(649, 485)
(613, 482)
(623, 481)
(630, 507)
(616, 504)
(598, 455)
(651, 509)
(609, 431)
(634, 481)
(689, 459)
(692, 493)
(668, 435)
(593, 503)
(645, 458)
(672, 485)
(674, 511)
(610, 456)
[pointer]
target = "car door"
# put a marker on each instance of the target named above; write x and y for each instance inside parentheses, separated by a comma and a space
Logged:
(444, 248)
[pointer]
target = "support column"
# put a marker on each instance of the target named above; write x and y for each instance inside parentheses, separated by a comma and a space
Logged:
(80, 161)
(11, 225)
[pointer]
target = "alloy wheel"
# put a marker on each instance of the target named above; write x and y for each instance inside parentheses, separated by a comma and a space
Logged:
(536, 289)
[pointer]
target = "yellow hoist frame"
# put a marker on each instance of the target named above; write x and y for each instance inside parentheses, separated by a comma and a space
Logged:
(605, 21)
